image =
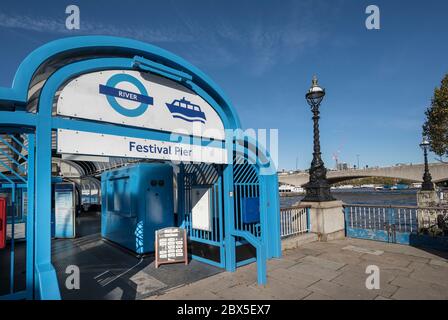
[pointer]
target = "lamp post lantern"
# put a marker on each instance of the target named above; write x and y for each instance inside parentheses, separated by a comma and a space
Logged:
(427, 184)
(318, 188)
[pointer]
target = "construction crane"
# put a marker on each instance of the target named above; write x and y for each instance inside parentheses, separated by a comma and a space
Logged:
(336, 158)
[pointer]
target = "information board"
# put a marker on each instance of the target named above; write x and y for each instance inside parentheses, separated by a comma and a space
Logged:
(171, 246)
(64, 210)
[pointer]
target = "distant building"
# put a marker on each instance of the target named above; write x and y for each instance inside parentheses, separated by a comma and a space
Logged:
(342, 166)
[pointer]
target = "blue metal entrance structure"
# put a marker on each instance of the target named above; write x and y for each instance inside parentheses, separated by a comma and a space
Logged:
(29, 105)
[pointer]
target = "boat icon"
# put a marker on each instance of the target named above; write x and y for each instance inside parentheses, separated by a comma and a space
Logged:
(185, 110)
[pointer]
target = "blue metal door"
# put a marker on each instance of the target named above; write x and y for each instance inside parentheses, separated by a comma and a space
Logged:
(381, 223)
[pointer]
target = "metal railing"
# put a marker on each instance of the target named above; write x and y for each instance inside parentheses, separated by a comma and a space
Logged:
(294, 221)
(410, 219)
(376, 217)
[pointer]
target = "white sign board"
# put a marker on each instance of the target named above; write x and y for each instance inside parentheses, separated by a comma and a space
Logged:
(201, 212)
(64, 210)
(139, 99)
(88, 143)
(19, 231)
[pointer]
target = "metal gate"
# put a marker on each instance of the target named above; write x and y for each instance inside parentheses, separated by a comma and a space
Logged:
(16, 183)
(207, 245)
(382, 223)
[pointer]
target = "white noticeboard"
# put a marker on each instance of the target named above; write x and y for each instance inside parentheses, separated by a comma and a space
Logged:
(64, 210)
(201, 212)
(142, 100)
(88, 143)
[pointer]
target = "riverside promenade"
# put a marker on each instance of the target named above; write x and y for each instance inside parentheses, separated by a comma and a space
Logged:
(331, 270)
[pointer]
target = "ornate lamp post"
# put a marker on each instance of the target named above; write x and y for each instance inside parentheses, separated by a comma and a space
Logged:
(427, 184)
(318, 188)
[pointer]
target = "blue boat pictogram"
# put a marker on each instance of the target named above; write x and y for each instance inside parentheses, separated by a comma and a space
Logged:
(185, 110)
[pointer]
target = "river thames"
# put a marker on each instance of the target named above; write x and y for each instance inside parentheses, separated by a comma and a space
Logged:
(365, 196)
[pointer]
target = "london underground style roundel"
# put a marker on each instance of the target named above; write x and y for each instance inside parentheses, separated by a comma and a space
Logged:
(112, 93)
(139, 99)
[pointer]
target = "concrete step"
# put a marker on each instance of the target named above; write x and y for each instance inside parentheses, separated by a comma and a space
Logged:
(296, 241)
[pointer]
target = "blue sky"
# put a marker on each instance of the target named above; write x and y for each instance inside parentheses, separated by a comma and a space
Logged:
(264, 54)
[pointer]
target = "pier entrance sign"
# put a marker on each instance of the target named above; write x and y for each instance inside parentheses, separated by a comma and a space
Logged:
(139, 99)
(89, 143)
(118, 97)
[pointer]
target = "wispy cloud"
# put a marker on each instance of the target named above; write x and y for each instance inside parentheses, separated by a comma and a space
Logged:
(257, 44)
(43, 24)
(261, 39)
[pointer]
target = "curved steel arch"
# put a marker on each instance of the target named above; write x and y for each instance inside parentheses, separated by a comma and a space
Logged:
(18, 93)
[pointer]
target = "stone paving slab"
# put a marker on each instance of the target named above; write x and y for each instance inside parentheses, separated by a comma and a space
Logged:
(315, 270)
(290, 276)
(386, 275)
(386, 269)
(415, 294)
(317, 296)
(340, 292)
(362, 250)
(284, 290)
(341, 257)
(356, 280)
(382, 298)
(325, 263)
(428, 287)
(430, 275)
(280, 264)
(324, 270)
(244, 293)
(397, 260)
(440, 263)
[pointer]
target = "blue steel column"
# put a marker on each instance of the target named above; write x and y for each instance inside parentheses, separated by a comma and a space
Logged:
(265, 237)
(46, 280)
(229, 219)
(222, 250)
(181, 197)
(229, 215)
(273, 216)
(30, 219)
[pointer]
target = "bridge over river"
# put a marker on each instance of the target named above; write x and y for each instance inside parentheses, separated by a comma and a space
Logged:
(439, 172)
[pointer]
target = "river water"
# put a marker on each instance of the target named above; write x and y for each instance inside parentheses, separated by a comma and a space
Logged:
(365, 196)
